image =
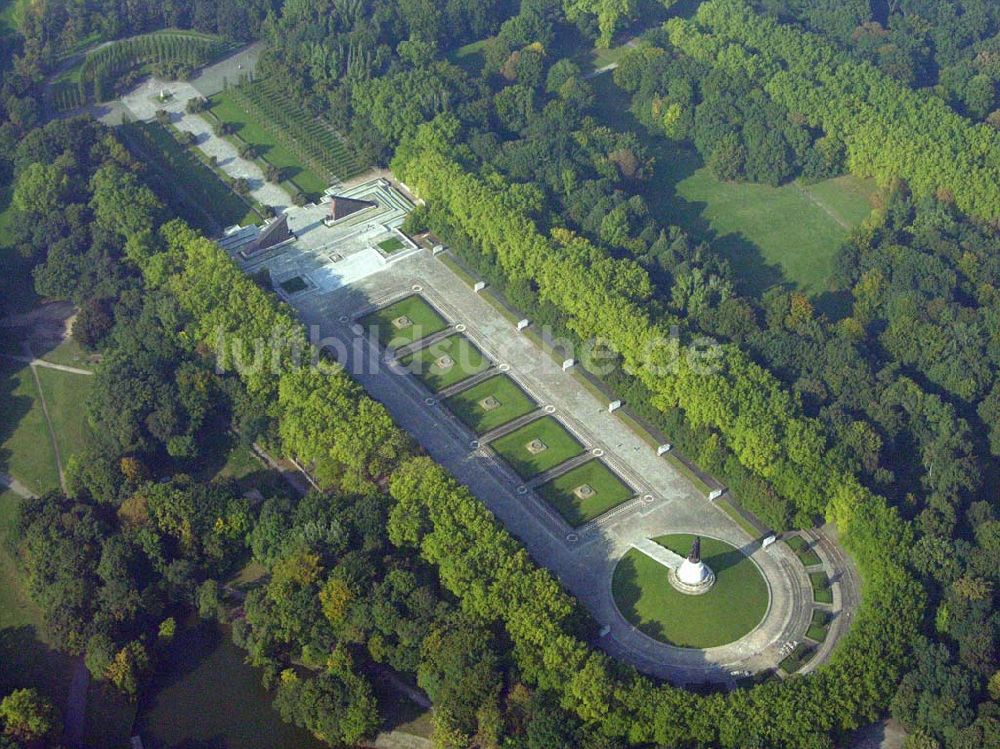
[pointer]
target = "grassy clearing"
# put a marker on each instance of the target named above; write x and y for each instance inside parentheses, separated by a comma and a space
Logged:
(186, 182)
(393, 330)
(65, 394)
(205, 695)
(822, 592)
(465, 361)
(816, 633)
(69, 353)
(733, 606)
(609, 492)
(804, 551)
(25, 446)
(785, 235)
(559, 446)
(251, 131)
(471, 57)
(469, 407)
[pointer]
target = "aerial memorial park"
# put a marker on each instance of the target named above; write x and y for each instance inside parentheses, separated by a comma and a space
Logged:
(508, 373)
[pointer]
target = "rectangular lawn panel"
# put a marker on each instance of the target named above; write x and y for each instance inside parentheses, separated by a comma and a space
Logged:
(816, 633)
(822, 593)
(803, 551)
(404, 322)
(446, 362)
(556, 443)
(565, 495)
(797, 659)
(395, 244)
(512, 404)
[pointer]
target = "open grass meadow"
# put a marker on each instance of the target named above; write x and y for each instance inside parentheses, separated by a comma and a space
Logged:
(66, 396)
(470, 405)
(609, 492)
(734, 606)
(556, 443)
(446, 362)
(786, 235)
(404, 322)
(190, 186)
(26, 450)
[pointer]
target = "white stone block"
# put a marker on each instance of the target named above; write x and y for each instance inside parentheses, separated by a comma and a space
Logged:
(715, 494)
(479, 286)
(522, 324)
(614, 406)
(568, 364)
(437, 249)
(664, 448)
(768, 541)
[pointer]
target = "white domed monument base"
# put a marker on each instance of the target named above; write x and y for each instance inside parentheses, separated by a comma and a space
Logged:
(692, 577)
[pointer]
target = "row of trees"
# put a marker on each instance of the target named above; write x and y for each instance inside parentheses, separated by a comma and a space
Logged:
(889, 131)
(745, 404)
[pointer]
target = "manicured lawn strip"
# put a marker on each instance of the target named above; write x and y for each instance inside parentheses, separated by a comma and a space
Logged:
(395, 244)
(797, 658)
(681, 467)
(68, 353)
(66, 396)
(457, 269)
(610, 491)
(468, 361)
(820, 618)
(816, 633)
(822, 592)
(733, 606)
(803, 551)
(426, 322)
(25, 446)
(514, 403)
(560, 447)
(250, 131)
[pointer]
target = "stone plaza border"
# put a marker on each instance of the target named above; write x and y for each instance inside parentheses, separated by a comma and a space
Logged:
(583, 562)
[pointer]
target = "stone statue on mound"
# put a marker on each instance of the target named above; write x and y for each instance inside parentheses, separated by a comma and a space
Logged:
(695, 556)
(693, 576)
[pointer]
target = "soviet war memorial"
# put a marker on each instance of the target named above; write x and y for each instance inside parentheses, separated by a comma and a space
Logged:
(499, 374)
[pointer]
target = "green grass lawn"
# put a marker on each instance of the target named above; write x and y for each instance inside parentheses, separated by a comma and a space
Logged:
(69, 353)
(609, 491)
(559, 444)
(267, 146)
(423, 321)
(65, 395)
(772, 235)
(189, 184)
(513, 401)
(733, 606)
(205, 695)
(803, 551)
(391, 245)
(465, 361)
(822, 592)
(816, 633)
(470, 57)
(797, 658)
(25, 446)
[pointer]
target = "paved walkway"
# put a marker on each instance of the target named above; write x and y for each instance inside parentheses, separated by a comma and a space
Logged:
(49, 365)
(583, 559)
(658, 553)
(214, 78)
(143, 104)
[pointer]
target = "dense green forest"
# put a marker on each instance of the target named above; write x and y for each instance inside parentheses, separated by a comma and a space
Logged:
(880, 412)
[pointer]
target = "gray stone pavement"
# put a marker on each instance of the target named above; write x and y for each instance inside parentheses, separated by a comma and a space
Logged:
(143, 102)
(583, 559)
